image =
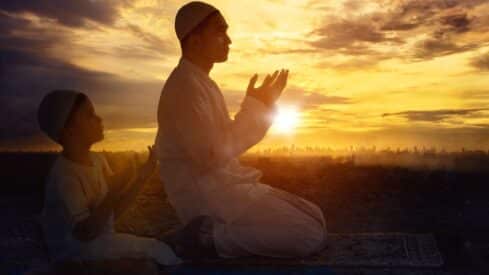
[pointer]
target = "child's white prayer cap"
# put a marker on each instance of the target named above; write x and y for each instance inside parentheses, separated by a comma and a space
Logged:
(54, 110)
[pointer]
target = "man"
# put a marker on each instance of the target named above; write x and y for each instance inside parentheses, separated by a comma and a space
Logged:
(198, 146)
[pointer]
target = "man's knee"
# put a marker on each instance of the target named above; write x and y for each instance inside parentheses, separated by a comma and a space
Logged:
(313, 239)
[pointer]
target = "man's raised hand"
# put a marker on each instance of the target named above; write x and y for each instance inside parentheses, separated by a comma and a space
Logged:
(271, 88)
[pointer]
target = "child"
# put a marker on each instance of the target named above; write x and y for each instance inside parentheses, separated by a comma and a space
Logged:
(78, 214)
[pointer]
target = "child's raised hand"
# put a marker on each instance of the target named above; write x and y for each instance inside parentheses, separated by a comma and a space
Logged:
(149, 166)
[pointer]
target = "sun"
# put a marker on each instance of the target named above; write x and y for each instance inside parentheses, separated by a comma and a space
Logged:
(286, 120)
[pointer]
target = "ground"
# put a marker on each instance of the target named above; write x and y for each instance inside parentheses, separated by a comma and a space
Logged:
(451, 204)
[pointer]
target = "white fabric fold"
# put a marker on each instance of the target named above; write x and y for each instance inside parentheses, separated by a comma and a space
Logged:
(198, 145)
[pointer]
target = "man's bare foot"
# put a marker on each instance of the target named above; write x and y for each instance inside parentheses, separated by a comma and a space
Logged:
(194, 241)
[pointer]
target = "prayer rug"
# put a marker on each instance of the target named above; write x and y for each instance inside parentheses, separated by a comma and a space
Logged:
(361, 250)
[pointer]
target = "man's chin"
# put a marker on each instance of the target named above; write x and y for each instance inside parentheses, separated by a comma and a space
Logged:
(221, 59)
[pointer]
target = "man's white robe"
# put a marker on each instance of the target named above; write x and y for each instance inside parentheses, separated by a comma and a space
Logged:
(198, 146)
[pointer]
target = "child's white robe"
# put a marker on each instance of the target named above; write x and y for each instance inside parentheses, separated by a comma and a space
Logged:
(72, 190)
(198, 146)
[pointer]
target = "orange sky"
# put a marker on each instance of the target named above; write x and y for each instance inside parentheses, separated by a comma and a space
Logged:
(385, 73)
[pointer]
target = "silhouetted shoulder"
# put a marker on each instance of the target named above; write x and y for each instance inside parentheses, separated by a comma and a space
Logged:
(182, 82)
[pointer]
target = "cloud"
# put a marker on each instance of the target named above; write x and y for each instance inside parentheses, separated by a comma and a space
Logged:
(310, 100)
(21, 34)
(423, 12)
(26, 59)
(437, 25)
(326, 118)
(28, 71)
(351, 64)
(412, 14)
(434, 115)
(456, 22)
(296, 96)
(346, 34)
(433, 47)
(353, 5)
(400, 24)
(121, 103)
(442, 40)
(269, 50)
(26, 77)
(74, 13)
(153, 46)
(481, 62)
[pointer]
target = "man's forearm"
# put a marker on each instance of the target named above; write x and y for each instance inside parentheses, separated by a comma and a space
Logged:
(247, 129)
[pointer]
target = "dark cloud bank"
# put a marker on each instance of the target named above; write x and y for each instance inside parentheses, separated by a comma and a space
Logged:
(28, 70)
(444, 22)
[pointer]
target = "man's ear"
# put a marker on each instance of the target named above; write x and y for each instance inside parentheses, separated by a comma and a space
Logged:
(194, 40)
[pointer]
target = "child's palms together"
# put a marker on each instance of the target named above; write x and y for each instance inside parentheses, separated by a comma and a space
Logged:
(148, 168)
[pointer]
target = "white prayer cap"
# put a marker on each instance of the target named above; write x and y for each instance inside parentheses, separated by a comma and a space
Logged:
(190, 16)
(54, 110)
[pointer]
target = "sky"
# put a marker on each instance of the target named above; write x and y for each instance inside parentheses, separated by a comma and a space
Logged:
(386, 73)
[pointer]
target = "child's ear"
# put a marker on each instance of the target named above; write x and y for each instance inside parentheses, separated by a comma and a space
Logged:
(63, 135)
(194, 40)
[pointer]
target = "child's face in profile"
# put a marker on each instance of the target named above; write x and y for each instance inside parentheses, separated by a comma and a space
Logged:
(86, 125)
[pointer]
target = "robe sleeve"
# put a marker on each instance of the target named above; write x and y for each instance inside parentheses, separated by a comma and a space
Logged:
(210, 145)
(105, 165)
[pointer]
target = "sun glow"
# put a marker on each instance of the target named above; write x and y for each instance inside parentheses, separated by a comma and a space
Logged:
(286, 120)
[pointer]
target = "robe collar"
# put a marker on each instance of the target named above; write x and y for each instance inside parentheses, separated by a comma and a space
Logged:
(185, 63)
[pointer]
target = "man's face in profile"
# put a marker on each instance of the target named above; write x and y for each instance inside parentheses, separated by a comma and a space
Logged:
(214, 39)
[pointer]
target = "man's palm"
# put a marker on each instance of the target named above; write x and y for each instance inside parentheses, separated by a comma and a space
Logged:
(271, 88)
